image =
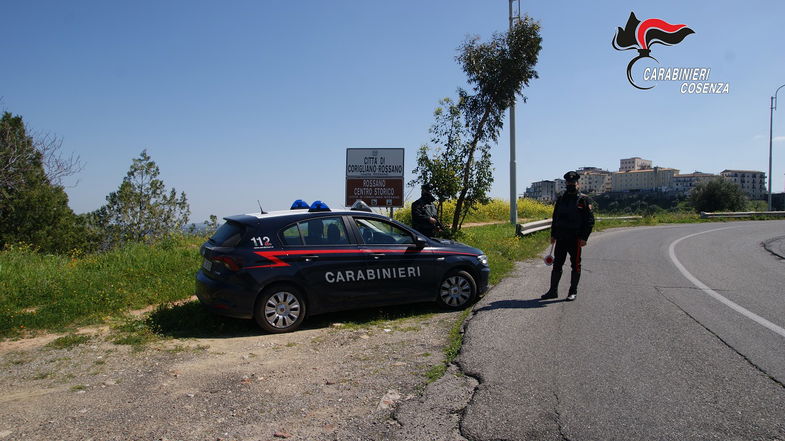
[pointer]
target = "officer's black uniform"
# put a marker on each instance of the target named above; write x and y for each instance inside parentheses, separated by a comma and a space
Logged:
(573, 221)
(422, 212)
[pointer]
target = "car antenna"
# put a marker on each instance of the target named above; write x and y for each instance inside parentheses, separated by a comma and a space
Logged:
(260, 207)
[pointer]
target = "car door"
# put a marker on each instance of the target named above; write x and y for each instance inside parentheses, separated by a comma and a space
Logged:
(328, 260)
(398, 270)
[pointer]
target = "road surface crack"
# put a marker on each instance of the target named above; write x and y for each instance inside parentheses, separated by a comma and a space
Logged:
(476, 376)
(769, 246)
(747, 359)
(558, 417)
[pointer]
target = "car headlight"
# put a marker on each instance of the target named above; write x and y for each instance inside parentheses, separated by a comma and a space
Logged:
(483, 259)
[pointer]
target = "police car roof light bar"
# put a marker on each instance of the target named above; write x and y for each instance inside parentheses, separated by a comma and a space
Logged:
(319, 206)
(300, 204)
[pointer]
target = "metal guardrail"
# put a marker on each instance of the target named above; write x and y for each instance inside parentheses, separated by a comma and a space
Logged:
(533, 227)
(706, 215)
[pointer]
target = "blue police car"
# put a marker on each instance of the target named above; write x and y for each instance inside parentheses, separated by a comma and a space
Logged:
(281, 267)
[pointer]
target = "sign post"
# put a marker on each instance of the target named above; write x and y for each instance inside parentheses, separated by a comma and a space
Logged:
(375, 176)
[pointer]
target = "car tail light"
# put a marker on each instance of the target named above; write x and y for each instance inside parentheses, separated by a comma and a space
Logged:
(233, 264)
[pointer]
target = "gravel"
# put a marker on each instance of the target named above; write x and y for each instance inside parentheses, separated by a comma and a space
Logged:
(329, 383)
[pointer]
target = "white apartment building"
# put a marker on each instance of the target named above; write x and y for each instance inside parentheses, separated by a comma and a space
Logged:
(686, 182)
(658, 178)
(634, 163)
(542, 191)
(559, 187)
(752, 182)
(594, 180)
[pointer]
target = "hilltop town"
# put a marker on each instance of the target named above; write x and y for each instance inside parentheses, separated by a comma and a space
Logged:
(637, 175)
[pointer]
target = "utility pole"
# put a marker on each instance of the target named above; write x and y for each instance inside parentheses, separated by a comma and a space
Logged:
(513, 165)
(771, 129)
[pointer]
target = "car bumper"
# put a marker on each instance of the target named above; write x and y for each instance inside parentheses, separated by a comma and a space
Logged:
(223, 298)
(482, 282)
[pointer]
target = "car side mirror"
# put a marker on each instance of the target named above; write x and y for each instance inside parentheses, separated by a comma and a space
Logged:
(419, 242)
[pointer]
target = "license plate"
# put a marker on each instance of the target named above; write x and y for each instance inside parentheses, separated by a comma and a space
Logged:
(207, 265)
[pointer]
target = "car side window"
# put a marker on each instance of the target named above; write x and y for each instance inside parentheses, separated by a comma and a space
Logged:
(324, 231)
(291, 236)
(378, 232)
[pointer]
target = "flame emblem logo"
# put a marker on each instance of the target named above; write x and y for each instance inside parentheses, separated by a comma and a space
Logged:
(642, 35)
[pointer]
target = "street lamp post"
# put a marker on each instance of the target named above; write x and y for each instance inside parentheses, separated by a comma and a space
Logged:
(771, 129)
(513, 165)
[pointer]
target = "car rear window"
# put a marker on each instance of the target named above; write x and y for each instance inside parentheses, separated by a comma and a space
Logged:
(228, 234)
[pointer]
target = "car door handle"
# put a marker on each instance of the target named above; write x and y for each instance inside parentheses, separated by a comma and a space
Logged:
(439, 259)
(310, 257)
(377, 255)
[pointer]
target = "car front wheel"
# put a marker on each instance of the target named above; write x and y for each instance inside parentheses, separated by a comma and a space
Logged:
(280, 309)
(457, 290)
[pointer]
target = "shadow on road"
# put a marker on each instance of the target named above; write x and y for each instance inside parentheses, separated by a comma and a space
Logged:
(519, 304)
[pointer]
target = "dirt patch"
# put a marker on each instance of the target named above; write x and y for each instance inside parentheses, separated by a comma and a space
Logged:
(304, 385)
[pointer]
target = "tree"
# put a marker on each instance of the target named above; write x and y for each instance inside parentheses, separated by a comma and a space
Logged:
(440, 166)
(141, 209)
(497, 71)
(33, 209)
(21, 154)
(717, 195)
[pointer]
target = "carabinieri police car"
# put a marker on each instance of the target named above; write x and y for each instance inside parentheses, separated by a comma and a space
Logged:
(281, 267)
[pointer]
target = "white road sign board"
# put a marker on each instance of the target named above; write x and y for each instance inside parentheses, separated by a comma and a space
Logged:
(374, 163)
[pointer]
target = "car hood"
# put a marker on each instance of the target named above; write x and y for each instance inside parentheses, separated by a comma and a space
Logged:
(455, 246)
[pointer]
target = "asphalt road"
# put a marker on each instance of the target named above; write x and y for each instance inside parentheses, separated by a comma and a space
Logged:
(677, 334)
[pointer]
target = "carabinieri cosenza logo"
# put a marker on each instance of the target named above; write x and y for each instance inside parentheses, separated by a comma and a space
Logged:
(642, 35)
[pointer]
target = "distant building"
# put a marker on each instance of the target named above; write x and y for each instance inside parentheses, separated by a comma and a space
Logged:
(594, 180)
(685, 183)
(752, 182)
(658, 178)
(542, 191)
(559, 187)
(634, 163)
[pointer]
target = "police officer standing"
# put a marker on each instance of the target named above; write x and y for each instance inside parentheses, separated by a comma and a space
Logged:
(572, 223)
(424, 215)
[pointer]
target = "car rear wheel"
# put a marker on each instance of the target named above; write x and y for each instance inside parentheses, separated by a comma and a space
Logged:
(280, 309)
(457, 290)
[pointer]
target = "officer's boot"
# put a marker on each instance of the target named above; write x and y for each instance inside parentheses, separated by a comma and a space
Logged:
(553, 292)
(575, 277)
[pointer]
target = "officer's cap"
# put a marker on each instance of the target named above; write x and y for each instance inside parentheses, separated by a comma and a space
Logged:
(426, 187)
(571, 176)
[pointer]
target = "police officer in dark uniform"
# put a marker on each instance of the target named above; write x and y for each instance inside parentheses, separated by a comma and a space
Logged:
(572, 223)
(424, 214)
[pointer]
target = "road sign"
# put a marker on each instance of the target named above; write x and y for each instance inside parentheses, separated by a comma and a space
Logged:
(376, 192)
(374, 163)
(374, 176)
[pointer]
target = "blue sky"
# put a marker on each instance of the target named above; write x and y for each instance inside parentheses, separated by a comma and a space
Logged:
(244, 100)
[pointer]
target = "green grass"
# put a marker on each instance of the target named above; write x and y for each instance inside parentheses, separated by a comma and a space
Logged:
(43, 291)
(68, 341)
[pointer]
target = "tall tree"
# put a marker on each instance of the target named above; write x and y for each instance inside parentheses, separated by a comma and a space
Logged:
(142, 209)
(497, 71)
(33, 210)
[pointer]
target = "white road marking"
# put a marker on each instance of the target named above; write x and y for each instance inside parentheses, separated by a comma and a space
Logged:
(734, 306)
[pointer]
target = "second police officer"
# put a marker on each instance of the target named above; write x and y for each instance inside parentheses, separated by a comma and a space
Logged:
(573, 221)
(424, 215)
